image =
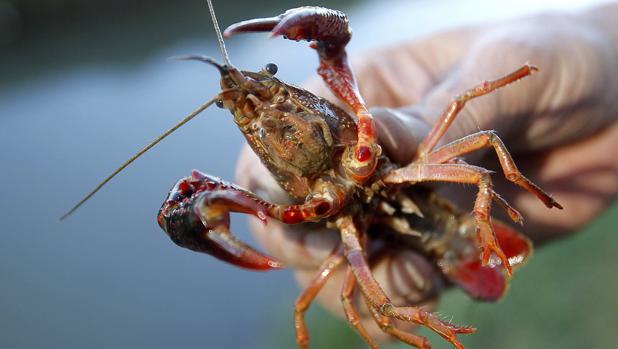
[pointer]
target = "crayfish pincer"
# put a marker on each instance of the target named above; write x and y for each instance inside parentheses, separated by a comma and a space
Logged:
(329, 162)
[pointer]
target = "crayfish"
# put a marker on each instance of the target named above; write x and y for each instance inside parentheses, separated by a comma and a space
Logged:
(328, 160)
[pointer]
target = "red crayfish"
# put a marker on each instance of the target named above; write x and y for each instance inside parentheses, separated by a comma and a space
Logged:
(328, 160)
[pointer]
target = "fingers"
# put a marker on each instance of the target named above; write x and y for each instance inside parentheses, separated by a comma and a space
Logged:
(403, 74)
(399, 133)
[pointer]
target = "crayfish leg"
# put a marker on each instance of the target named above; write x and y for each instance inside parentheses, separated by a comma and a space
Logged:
(196, 215)
(376, 297)
(385, 323)
(460, 173)
(442, 165)
(487, 139)
(351, 314)
(457, 104)
(308, 295)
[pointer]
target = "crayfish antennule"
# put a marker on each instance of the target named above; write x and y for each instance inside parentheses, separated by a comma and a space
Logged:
(223, 69)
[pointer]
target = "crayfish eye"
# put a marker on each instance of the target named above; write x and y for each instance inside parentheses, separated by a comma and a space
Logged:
(219, 103)
(271, 68)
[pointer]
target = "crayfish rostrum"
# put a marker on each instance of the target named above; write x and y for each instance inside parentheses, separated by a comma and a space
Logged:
(328, 160)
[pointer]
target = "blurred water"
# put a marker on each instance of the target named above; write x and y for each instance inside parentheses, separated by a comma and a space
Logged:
(108, 276)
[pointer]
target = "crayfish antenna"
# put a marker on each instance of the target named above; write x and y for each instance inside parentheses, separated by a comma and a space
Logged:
(226, 58)
(140, 153)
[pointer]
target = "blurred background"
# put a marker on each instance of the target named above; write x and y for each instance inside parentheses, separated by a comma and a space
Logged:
(85, 84)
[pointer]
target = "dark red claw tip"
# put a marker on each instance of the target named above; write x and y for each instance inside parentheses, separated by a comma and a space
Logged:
(228, 249)
(251, 26)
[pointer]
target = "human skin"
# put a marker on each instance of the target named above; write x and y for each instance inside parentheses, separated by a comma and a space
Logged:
(560, 125)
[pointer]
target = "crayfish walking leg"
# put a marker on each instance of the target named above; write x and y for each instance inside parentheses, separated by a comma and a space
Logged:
(376, 297)
(351, 314)
(384, 322)
(458, 103)
(485, 139)
(458, 173)
(311, 291)
(438, 165)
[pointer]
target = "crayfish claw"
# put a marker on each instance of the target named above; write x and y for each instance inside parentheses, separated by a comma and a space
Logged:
(314, 23)
(196, 215)
(228, 248)
(329, 28)
(252, 26)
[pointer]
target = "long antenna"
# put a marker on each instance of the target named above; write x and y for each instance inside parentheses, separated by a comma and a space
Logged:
(140, 153)
(226, 58)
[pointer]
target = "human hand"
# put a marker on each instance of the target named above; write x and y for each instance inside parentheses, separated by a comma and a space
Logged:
(560, 126)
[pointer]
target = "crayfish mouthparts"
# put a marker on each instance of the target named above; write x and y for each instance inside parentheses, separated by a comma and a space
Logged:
(193, 219)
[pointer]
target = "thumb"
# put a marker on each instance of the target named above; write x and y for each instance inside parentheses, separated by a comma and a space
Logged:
(400, 132)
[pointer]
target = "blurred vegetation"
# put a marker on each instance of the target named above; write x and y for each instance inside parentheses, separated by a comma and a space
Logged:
(565, 297)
